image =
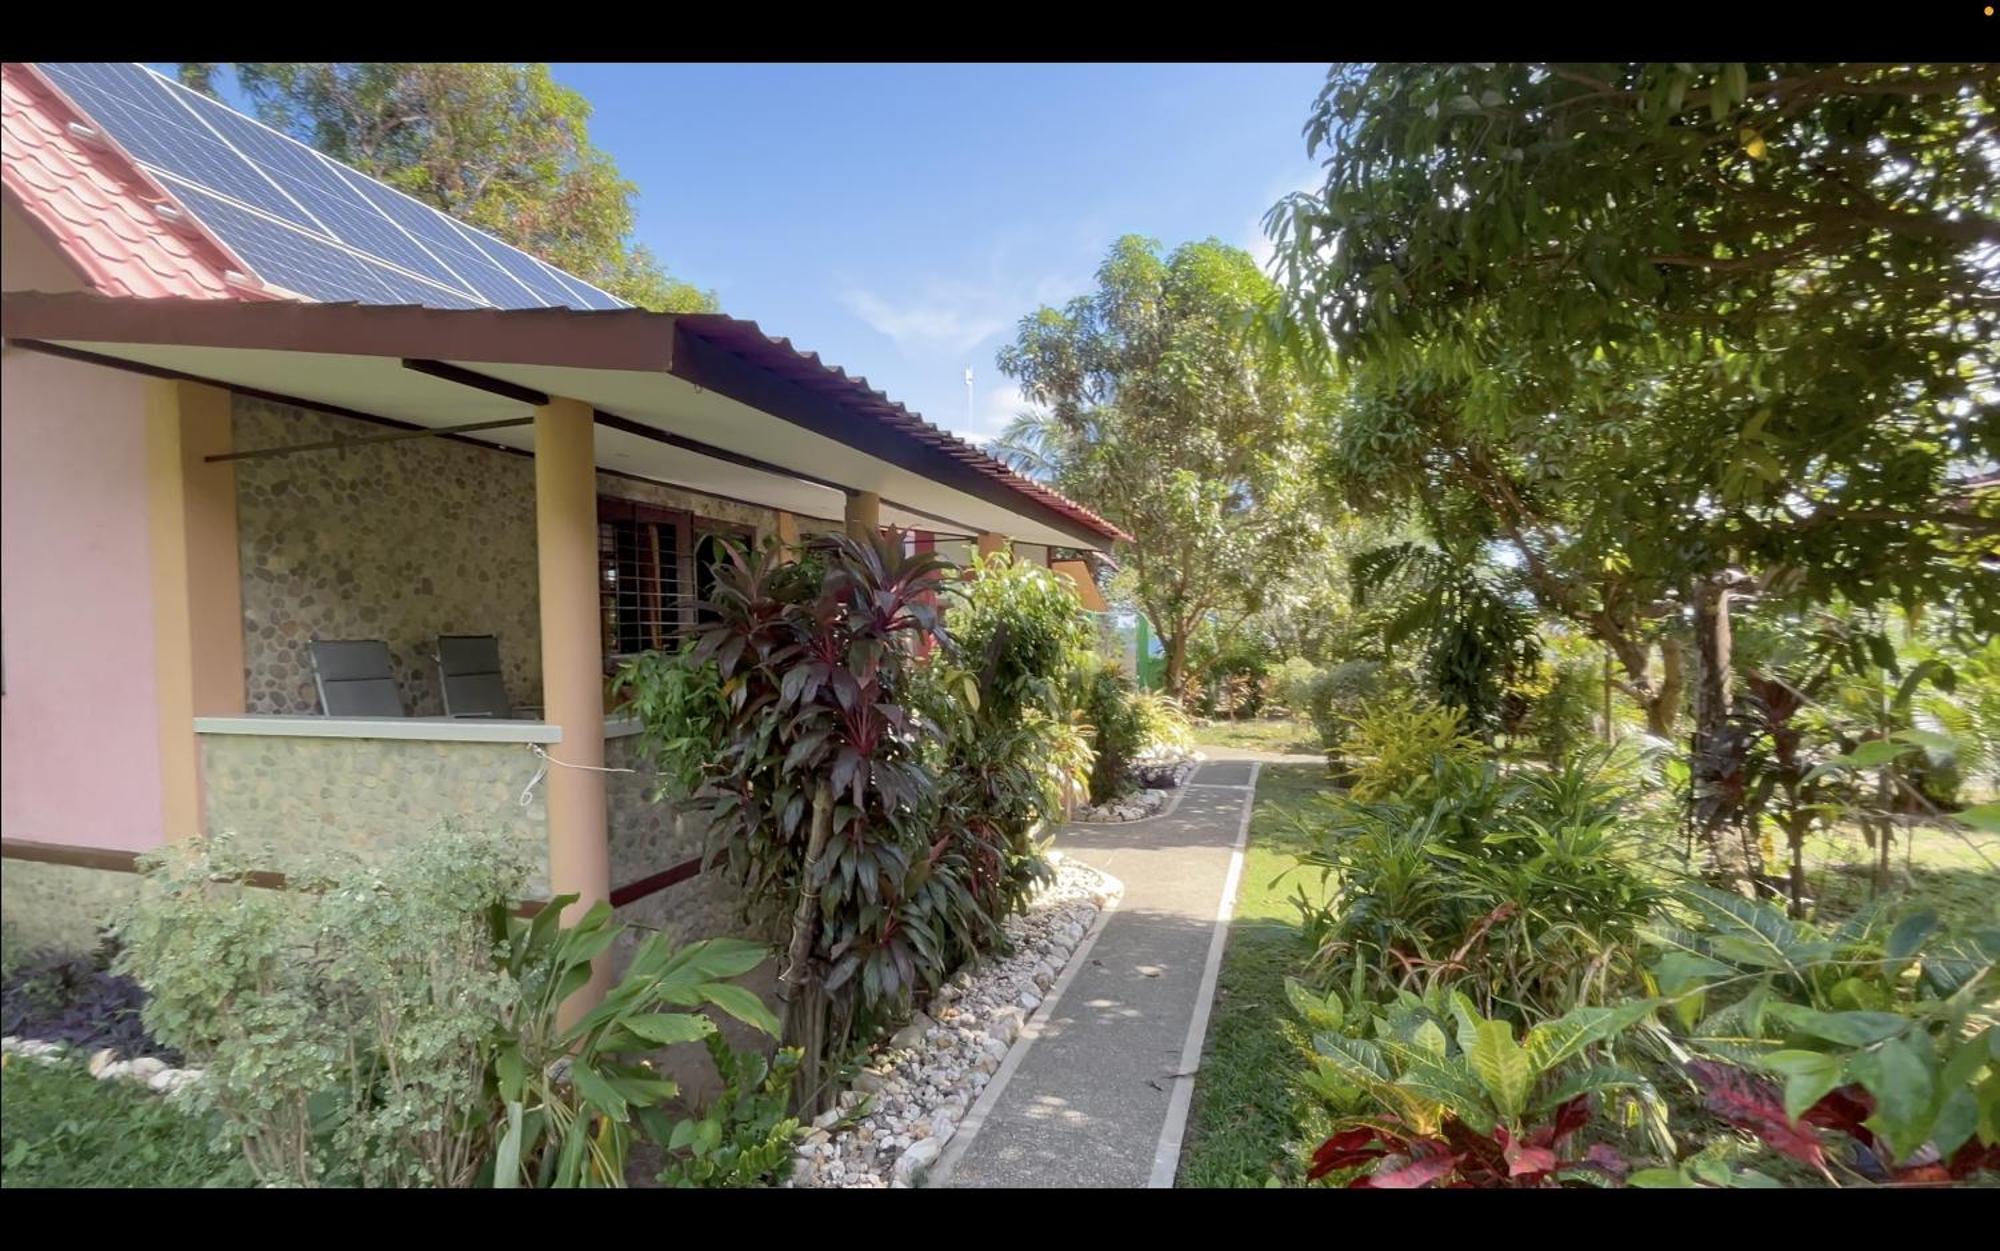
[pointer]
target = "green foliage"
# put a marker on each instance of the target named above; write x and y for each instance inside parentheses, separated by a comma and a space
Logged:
(1108, 702)
(572, 1100)
(1227, 673)
(344, 1027)
(65, 1129)
(394, 1025)
(1528, 888)
(678, 702)
(1020, 629)
(1164, 730)
(1884, 1031)
(1162, 411)
(1393, 749)
(1295, 680)
(1562, 709)
(744, 1137)
(503, 147)
(1429, 1092)
(1338, 695)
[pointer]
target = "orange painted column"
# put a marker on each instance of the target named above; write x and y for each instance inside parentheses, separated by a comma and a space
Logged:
(788, 535)
(197, 583)
(572, 667)
(990, 542)
(864, 514)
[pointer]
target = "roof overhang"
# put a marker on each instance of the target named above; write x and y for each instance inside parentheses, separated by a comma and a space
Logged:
(698, 400)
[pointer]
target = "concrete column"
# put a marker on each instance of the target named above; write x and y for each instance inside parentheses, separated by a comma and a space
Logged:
(864, 514)
(788, 535)
(572, 667)
(990, 542)
(197, 583)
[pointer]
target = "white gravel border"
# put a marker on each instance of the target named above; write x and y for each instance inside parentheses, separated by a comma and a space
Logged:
(909, 1108)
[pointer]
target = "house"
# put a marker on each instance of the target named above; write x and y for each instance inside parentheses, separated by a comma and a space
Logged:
(253, 398)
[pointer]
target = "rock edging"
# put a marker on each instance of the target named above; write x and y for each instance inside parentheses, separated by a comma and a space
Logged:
(914, 1093)
(149, 1071)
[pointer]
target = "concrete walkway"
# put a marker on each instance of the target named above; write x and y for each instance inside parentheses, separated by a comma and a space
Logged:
(1099, 1094)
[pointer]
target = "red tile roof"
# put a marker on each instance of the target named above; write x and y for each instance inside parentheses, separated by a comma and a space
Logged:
(95, 204)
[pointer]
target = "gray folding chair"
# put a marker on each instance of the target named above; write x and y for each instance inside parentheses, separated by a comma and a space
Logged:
(469, 674)
(354, 678)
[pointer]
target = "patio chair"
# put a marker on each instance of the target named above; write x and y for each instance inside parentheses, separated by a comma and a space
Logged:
(354, 678)
(469, 675)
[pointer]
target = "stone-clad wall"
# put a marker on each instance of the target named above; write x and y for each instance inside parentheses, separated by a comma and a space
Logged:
(399, 541)
(299, 798)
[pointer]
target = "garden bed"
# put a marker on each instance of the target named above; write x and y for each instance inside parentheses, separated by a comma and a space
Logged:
(917, 1087)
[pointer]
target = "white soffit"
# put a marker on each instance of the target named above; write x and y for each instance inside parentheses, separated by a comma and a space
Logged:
(381, 386)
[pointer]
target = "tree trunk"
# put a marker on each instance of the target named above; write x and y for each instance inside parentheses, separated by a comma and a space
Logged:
(1177, 647)
(1665, 710)
(1728, 852)
(800, 985)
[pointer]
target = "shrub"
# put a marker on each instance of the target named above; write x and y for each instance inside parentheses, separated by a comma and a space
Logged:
(1880, 1033)
(393, 1025)
(1338, 693)
(1164, 729)
(678, 702)
(1108, 704)
(1295, 680)
(1431, 1093)
(744, 1137)
(1391, 748)
(1527, 890)
(1562, 715)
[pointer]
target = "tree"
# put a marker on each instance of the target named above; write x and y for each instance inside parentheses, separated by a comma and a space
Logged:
(502, 147)
(1161, 408)
(1731, 326)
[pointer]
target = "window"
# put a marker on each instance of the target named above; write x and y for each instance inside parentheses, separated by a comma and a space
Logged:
(653, 565)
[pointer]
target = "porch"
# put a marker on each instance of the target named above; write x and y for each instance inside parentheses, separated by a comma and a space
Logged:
(399, 473)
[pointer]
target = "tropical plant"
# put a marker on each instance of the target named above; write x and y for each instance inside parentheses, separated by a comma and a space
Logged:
(1430, 1093)
(1529, 889)
(1164, 730)
(1338, 695)
(744, 1137)
(572, 1099)
(1392, 748)
(1295, 680)
(678, 703)
(1884, 1033)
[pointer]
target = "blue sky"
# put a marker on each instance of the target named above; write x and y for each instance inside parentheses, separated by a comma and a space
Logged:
(900, 219)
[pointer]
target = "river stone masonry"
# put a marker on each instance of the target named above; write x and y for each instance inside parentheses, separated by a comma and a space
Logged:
(914, 1093)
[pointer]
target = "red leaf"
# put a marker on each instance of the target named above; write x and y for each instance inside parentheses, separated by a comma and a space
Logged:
(1415, 1175)
(1344, 1150)
(1845, 1110)
(1754, 1105)
(1526, 1161)
(1606, 1160)
(1974, 1157)
(1571, 1117)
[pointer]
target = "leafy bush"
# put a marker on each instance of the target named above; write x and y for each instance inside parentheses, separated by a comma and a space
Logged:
(1527, 889)
(1338, 694)
(679, 705)
(744, 1137)
(1562, 715)
(1392, 748)
(1430, 1093)
(1164, 729)
(1883, 1034)
(1294, 681)
(394, 1025)
(1227, 674)
(1108, 704)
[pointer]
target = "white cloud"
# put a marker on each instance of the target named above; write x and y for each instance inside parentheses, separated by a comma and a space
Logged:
(935, 321)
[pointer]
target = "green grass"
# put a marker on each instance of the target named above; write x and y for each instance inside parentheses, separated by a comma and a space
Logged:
(64, 1128)
(1274, 735)
(1956, 873)
(1248, 1121)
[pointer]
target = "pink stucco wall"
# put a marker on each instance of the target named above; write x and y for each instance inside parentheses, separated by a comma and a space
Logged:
(79, 742)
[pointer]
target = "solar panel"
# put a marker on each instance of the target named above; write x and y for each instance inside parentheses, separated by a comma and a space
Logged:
(301, 220)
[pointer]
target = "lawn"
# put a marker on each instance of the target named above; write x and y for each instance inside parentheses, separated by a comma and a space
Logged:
(1263, 734)
(1246, 1113)
(65, 1128)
